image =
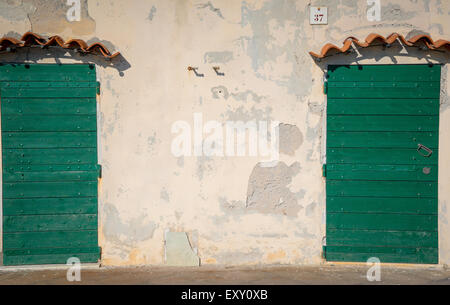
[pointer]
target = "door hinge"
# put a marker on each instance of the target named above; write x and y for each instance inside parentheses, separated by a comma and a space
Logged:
(324, 170)
(325, 87)
(99, 170)
(98, 88)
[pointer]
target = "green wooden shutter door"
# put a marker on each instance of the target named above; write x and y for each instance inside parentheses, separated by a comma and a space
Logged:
(49, 159)
(382, 193)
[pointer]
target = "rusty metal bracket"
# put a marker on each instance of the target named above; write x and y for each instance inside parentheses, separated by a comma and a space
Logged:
(421, 147)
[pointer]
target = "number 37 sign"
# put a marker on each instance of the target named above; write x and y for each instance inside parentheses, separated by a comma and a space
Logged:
(318, 15)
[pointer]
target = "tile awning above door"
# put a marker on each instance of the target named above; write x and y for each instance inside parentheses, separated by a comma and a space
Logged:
(32, 39)
(375, 39)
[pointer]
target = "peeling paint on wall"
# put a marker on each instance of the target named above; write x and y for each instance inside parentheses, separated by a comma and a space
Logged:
(268, 189)
(152, 13)
(209, 6)
(290, 139)
(218, 57)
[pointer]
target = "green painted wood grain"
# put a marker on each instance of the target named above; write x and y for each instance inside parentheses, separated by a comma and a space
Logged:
(387, 222)
(48, 92)
(423, 90)
(49, 123)
(49, 189)
(53, 176)
(49, 139)
(50, 156)
(383, 106)
(382, 139)
(385, 156)
(381, 200)
(43, 259)
(47, 72)
(381, 238)
(382, 172)
(41, 251)
(382, 123)
(38, 223)
(50, 206)
(54, 239)
(50, 167)
(421, 256)
(361, 188)
(45, 85)
(49, 153)
(46, 106)
(370, 205)
(401, 73)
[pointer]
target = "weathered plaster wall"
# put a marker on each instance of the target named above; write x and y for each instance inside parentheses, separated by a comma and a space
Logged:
(234, 210)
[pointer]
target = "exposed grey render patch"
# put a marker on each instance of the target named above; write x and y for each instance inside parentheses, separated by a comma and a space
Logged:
(164, 195)
(209, 6)
(242, 114)
(126, 233)
(243, 96)
(268, 189)
(263, 48)
(414, 33)
(152, 142)
(426, 4)
(16, 10)
(178, 250)
(218, 57)
(13, 35)
(232, 205)
(47, 17)
(315, 107)
(309, 210)
(290, 138)
(204, 164)
(220, 92)
(152, 13)
(394, 12)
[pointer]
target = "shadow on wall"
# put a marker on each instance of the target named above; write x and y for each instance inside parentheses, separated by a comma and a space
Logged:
(36, 54)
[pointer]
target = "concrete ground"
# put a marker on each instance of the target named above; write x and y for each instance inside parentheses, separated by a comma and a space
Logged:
(324, 274)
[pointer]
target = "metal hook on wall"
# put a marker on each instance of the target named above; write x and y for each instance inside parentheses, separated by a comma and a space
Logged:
(216, 69)
(195, 71)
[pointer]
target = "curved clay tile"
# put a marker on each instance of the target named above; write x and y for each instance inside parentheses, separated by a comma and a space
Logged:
(429, 41)
(33, 39)
(394, 37)
(329, 46)
(77, 44)
(55, 41)
(99, 47)
(442, 43)
(7, 42)
(374, 37)
(30, 39)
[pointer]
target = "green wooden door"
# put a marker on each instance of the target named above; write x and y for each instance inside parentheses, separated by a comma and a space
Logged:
(382, 163)
(49, 160)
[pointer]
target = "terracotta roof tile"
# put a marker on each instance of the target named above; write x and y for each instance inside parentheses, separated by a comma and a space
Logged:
(31, 39)
(373, 38)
